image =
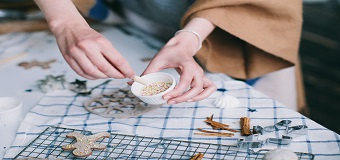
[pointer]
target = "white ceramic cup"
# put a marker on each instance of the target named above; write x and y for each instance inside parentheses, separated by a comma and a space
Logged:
(10, 117)
(137, 88)
(10, 110)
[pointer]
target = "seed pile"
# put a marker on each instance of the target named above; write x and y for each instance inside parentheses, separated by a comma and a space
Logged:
(155, 88)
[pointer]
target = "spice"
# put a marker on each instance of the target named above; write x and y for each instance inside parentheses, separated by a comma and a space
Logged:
(217, 125)
(245, 126)
(213, 133)
(198, 156)
(155, 88)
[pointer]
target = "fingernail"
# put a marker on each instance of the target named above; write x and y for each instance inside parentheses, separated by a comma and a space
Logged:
(129, 83)
(172, 102)
(166, 97)
(190, 100)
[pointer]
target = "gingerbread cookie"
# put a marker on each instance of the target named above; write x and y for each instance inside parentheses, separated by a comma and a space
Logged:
(85, 144)
(34, 63)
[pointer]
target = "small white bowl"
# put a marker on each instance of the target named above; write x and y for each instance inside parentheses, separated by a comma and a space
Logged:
(10, 109)
(137, 88)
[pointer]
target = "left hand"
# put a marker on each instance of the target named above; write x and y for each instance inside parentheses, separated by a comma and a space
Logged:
(178, 53)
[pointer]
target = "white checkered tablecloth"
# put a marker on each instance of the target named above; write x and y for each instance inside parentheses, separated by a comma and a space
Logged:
(63, 108)
(180, 121)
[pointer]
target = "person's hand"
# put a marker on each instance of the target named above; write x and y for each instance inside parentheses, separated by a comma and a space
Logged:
(86, 51)
(178, 53)
(90, 54)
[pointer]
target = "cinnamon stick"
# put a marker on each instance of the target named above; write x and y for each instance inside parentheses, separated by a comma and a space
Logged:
(245, 126)
(217, 125)
(211, 117)
(211, 122)
(213, 133)
(198, 156)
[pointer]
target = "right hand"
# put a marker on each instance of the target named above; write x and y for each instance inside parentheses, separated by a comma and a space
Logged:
(91, 55)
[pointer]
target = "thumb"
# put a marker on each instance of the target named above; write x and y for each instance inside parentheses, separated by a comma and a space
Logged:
(154, 66)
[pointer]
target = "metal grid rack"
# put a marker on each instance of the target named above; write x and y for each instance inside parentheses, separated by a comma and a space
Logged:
(120, 146)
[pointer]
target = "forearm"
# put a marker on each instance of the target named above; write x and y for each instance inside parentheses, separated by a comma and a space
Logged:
(199, 25)
(60, 14)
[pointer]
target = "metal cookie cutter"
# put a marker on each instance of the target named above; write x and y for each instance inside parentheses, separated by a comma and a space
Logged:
(250, 142)
(297, 131)
(52, 83)
(280, 125)
(285, 140)
(257, 129)
(78, 86)
(291, 132)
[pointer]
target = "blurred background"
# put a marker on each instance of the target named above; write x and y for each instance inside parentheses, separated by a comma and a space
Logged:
(319, 51)
(320, 57)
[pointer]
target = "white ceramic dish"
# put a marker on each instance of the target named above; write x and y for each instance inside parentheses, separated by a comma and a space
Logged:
(137, 88)
(10, 109)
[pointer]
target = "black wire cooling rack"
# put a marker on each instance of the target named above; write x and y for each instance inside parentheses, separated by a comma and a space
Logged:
(120, 146)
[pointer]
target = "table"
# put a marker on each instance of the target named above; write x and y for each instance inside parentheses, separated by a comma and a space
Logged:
(180, 121)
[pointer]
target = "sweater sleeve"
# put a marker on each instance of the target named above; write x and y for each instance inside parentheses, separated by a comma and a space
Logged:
(252, 38)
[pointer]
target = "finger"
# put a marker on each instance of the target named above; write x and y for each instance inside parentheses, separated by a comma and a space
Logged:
(87, 66)
(74, 65)
(117, 60)
(130, 83)
(209, 88)
(196, 88)
(154, 66)
(98, 59)
(184, 82)
(104, 66)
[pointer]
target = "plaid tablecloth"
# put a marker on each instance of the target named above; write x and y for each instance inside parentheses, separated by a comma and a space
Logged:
(64, 108)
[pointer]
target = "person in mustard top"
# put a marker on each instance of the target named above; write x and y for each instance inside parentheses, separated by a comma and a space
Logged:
(252, 40)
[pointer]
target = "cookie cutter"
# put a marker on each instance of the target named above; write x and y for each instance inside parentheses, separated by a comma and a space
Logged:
(296, 131)
(290, 132)
(52, 83)
(250, 142)
(78, 86)
(280, 125)
(253, 142)
(257, 130)
(285, 140)
(89, 92)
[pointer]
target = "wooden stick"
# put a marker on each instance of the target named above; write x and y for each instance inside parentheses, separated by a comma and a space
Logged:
(198, 156)
(211, 117)
(217, 125)
(216, 133)
(245, 126)
(140, 80)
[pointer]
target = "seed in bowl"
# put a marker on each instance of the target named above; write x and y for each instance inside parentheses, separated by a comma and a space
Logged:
(155, 88)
